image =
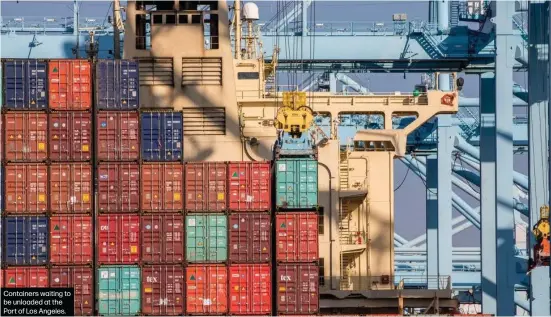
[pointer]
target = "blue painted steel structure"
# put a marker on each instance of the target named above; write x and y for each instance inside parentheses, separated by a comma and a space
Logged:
(416, 46)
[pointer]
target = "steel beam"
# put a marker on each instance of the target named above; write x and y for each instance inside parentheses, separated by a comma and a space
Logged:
(432, 216)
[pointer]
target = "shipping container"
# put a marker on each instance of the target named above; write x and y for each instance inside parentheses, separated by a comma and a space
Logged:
(70, 84)
(118, 136)
(117, 85)
(206, 238)
(26, 188)
(70, 137)
(297, 289)
(119, 290)
(297, 237)
(162, 187)
(71, 188)
(25, 84)
(29, 276)
(118, 187)
(250, 289)
(26, 240)
(297, 183)
(26, 136)
(163, 290)
(207, 289)
(250, 186)
(81, 279)
(162, 238)
(162, 138)
(250, 238)
(71, 240)
(118, 239)
(206, 186)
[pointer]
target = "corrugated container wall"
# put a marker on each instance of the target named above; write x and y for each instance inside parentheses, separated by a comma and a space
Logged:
(71, 240)
(118, 239)
(117, 85)
(71, 188)
(81, 279)
(297, 237)
(250, 289)
(30, 276)
(297, 183)
(162, 187)
(162, 238)
(70, 84)
(25, 84)
(250, 238)
(26, 136)
(119, 290)
(118, 187)
(249, 186)
(118, 136)
(163, 290)
(207, 289)
(206, 186)
(206, 238)
(70, 137)
(26, 188)
(26, 240)
(297, 289)
(161, 137)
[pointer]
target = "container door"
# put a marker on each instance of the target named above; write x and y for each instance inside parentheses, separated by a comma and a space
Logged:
(217, 238)
(308, 183)
(16, 248)
(172, 126)
(196, 233)
(286, 183)
(37, 235)
(130, 291)
(151, 136)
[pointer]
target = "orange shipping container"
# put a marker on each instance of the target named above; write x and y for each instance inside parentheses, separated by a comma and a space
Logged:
(250, 289)
(207, 289)
(26, 136)
(162, 187)
(29, 276)
(70, 84)
(71, 239)
(26, 188)
(70, 136)
(71, 188)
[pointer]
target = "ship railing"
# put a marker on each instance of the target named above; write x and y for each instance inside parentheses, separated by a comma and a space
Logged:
(396, 282)
(54, 24)
(270, 91)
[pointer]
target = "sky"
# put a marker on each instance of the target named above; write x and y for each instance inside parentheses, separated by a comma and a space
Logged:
(410, 197)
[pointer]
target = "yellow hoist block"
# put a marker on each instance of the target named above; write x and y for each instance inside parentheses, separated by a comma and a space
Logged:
(541, 229)
(294, 117)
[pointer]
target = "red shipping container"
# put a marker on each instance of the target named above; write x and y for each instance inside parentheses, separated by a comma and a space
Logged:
(119, 239)
(70, 136)
(162, 238)
(250, 289)
(162, 187)
(250, 238)
(81, 279)
(163, 290)
(71, 188)
(70, 84)
(28, 276)
(71, 239)
(298, 289)
(118, 187)
(207, 289)
(26, 188)
(297, 237)
(206, 186)
(249, 186)
(26, 136)
(118, 136)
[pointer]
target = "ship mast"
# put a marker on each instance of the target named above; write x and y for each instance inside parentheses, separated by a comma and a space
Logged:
(237, 24)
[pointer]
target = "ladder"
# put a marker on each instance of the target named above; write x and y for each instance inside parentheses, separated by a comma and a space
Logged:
(344, 224)
(345, 271)
(344, 171)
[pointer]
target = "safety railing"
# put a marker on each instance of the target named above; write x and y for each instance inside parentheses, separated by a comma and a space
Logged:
(396, 282)
(51, 24)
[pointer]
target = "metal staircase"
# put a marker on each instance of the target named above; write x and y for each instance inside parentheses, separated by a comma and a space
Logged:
(520, 22)
(454, 13)
(344, 171)
(469, 128)
(345, 271)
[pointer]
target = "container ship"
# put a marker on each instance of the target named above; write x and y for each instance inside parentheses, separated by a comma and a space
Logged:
(175, 181)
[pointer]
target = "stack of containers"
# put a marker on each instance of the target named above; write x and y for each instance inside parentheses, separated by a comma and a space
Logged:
(162, 218)
(71, 193)
(24, 220)
(296, 236)
(250, 269)
(117, 167)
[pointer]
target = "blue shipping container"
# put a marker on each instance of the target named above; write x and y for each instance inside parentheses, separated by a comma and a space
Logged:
(162, 136)
(117, 85)
(25, 84)
(26, 239)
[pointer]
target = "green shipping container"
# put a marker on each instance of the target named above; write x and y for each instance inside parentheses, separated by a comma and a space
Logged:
(206, 238)
(297, 183)
(119, 289)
